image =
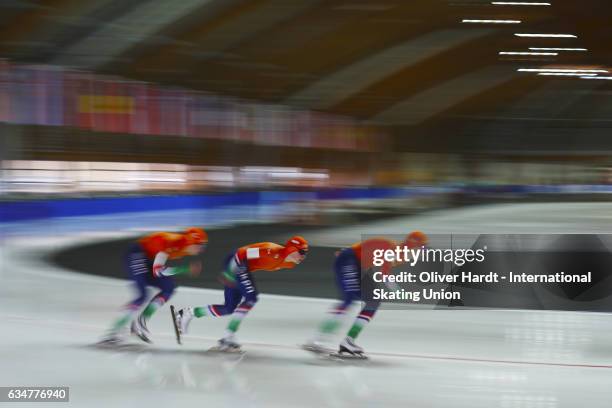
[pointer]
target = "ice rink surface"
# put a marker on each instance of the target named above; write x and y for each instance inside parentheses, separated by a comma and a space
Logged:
(419, 358)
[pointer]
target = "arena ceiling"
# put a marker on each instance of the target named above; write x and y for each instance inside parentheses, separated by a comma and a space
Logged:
(402, 63)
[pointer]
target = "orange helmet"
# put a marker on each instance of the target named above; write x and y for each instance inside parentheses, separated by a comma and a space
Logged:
(416, 239)
(196, 236)
(298, 242)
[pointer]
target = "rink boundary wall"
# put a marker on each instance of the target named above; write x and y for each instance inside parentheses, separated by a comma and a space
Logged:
(38, 209)
(24, 210)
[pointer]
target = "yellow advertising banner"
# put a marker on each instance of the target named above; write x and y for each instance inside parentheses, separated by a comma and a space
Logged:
(106, 104)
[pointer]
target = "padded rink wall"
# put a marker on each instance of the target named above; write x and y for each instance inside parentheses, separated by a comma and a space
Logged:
(48, 208)
(37, 209)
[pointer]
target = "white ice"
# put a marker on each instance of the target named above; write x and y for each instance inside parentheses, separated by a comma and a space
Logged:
(419, 358)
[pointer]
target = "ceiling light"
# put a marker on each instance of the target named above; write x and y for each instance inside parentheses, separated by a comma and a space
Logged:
(561, 70)
(578, 74)
(465, 20)
(546, 35)
(519, 3)
(527, 53)
(556, 49)
(596, 77)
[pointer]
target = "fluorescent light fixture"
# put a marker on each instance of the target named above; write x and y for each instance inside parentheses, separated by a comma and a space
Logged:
(561, 70)
(465, 20)
(527, 53)
(519, 3)
(545, 35)
(607, 78)
(556, 49)
(577, 74)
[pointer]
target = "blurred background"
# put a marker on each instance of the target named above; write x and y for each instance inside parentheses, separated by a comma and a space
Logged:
(260, 119)
(143, 115)
(353, 99)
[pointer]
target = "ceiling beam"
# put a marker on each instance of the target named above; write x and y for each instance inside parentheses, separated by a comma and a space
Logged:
(423, 105)
(351, 80)
(125, 31)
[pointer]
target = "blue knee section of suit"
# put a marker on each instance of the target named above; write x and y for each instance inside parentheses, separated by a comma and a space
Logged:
(348, 276)
(225, 310)
(138, 269)
(251, 299)
(347, 301)
(140, 286)
(139, 300)
(167, 288)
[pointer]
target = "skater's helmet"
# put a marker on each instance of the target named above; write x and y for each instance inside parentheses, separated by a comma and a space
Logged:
(196, 236)
(299, 243)
(416, 239)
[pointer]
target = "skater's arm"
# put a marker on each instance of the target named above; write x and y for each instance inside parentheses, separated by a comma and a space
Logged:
(160, 268)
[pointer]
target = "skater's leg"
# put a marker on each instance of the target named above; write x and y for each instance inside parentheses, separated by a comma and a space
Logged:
(130, 311)
(232, 294)
(248, 290)
(239, 314)
(336, 315)
(232, 299)
(365, 316)
(183, 317)
(347, 272)
(348, 345)
(319, 342)
(167, 286)
(136, 265)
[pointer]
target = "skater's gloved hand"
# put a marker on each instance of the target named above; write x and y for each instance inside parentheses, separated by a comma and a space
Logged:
(195, 268)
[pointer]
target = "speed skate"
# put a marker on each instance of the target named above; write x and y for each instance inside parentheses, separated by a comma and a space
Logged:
(177, 330)
(342, 353)
(337, 355)
(220, 349)
(348, 349)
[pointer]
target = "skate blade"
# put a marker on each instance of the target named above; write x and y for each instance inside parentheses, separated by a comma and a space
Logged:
(320, 351)
(219, 350)
(122, 346)
(108, 344)
(144, 339)
(347, 356)
(141, 337)
(176, 328)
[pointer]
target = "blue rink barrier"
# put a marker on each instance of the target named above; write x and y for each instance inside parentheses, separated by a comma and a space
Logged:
(25, 210)
(537, 189)
(73, 207)
(36, 209)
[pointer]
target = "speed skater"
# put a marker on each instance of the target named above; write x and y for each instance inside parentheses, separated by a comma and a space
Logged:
(348, 266)
(240, 290)
(145, 262)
